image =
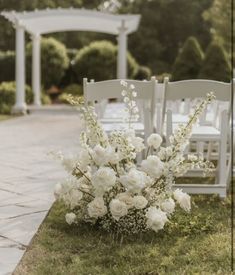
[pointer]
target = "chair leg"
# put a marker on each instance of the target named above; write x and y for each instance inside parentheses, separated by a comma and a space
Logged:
(169, 126)
(223, 149)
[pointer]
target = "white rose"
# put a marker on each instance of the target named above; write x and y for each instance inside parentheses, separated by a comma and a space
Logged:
(154, 140)
(156, 218)
(103, 180)
(99, 155)
(177, 194)
(138, 143)
(140, 202)
(126, 198)
(153, 166)
(183, 199)
(112, 156)
(57, 190)
(168, 206)
(70, 218)
(97, 208)
(134, 181)
(118, 209)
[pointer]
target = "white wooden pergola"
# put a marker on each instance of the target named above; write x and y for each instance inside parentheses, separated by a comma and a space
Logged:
(39, 22)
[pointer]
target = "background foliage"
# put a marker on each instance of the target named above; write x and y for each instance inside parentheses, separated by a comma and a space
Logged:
(171, 40)
(164, 27)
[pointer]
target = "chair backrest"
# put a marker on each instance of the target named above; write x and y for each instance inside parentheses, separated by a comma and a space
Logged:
(97, 91)
(193, 89)
(109, 89)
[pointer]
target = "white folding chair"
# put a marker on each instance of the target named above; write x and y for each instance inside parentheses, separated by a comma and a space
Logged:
(96, 92)
(202, 133)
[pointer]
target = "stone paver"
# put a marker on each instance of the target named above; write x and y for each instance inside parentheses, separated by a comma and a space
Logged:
(28, 174)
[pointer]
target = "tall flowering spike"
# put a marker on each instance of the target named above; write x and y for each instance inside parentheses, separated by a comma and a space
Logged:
(129, 94)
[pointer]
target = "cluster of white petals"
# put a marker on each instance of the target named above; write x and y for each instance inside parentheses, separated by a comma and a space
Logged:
(97, 208)
(183, 199)
(108, 186)
(156, 218)
(153, 166)
(134, 181)
(103, 180)
(118, 209)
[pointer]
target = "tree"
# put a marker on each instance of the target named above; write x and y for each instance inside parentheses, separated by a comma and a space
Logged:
(219, 16)
(189, 60)
(164, 26)
(216, 65)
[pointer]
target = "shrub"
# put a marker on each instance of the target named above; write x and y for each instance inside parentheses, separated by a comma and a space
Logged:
(98, 61)
(143, 72)
(54, 61)
(73, 89)
(189, 60)
(7, 96)
(161, 77)
(216, 65)
(7, 66)
(69, 75)
(45, 99)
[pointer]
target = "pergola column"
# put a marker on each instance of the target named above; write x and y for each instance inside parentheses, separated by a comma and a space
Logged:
(122, 52)
(20, 105)
(36, 70)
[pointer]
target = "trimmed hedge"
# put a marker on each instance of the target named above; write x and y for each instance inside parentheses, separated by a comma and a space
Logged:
(143, 73)
(73, 89)
(54, 61)
(189, 61)
(98, 61)
(216, 65)
(7, 66)
(7, 96)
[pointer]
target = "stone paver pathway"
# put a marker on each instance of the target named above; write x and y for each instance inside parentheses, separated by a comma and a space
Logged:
(28, 175)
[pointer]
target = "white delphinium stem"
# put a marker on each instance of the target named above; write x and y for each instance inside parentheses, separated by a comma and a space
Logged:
(129, 94)
(95, 133)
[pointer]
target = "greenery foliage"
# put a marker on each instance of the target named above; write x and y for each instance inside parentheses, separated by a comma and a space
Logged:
(54, 61)
(216, 64)
(143, 72)
(69, 75)
(73, 89)
(7, 96)
(219, 16)
(189, 60)
(164, 27)
(99, 60)
(195, 243)
(7, 66)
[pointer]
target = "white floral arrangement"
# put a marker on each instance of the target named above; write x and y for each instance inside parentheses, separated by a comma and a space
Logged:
(107, 187)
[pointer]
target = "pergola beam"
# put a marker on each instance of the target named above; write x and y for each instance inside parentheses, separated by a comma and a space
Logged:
(40, 22)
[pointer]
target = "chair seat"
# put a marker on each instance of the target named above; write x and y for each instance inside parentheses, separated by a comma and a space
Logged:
(114, 113)
(203, 133)
(180, 118)
(108, 127)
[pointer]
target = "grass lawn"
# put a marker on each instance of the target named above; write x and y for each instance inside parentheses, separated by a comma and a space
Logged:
(196, 243)
(4, 117)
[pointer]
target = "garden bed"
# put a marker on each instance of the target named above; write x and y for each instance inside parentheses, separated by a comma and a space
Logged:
(4, 117)
(195, 243)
